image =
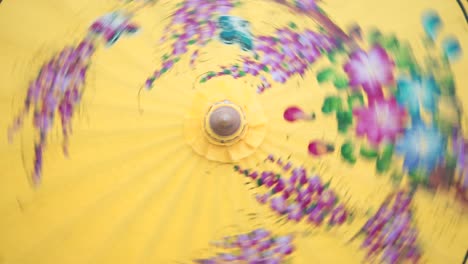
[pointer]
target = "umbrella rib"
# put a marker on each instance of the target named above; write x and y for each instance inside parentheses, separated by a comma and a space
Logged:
(166, 211)
(58, 188)
(86, 211)
(196, 203)
(109, 133)
(144, 203)
(203, 198)
(163, 107)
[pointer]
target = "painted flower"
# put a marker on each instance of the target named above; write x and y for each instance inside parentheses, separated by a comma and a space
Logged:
(418, 92)
(315, 185)
(271, 56)
(460, 147)
(244, 241)
(298, 174)
(250, 253)
(310, 54)
(310, 39)
(295, 212)
(402, 202)
(294, 113)
(252, 67)
(280, 186)
(286, 249)
(338, 215)
(268, 178)
(262, 198)
(260, 233)
(390, 255)
(264, 245)
(228, 257)
(370, 70)
(253, 175)
(327, 199)
(111, 26)
(409, 237)
(265, 41)
(180, 47)
(390, 233)
(285, 35)
(306, 5)
(318, 148)
(284, 240)
(279, 204)
(288, 191)
(422, 147)
(306, 198)
(278, 74)
(316, 216)
(381, 121)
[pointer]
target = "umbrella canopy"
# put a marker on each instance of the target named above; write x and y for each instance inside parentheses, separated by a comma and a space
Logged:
(233, 132)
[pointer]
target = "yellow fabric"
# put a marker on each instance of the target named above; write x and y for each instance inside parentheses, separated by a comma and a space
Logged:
(133, 191)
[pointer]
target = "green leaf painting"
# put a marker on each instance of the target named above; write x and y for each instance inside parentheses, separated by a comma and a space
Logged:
(332, 104)
(347, 152)
(340, 82)
(384, 159)
(404, 58)
(368, 152)
(345, 120)
(374, 37)
(325, 75)
(390, 42)
(355, 100)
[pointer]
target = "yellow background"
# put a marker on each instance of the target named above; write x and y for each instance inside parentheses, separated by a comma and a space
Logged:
(132, 191)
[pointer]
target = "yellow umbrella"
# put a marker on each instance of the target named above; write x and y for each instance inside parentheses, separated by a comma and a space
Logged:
(233, 131)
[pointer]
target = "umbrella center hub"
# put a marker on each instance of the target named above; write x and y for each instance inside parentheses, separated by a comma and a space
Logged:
(224, 122)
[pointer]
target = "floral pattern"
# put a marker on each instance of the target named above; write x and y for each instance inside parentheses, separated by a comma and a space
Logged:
(113, 25)
(290, 52)
(57, 90)
(422, 147)
(383, 94)
(390, 233)
(300, 196)
(397, 107)
(371, 71)
(382, 121)
(294, 113)
(418, 93)
(193, 23)
(257, 246)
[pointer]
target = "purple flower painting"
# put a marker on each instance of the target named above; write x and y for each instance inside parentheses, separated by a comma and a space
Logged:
(381, 122)
(370, 70)
(300, 196)
(257, 246)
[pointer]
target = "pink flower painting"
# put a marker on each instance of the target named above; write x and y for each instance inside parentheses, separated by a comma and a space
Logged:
(371, 70)
(382, 121)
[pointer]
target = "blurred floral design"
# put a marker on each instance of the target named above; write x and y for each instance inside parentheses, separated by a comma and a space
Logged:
(257, 246)
(397, 107)
(57, 90)
(371, 71)
(390, 108)
(391, 233)
(277, 58)
(195, 22)
(300, 195)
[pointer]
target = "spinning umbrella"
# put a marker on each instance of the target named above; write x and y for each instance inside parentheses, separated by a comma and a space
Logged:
(233, 132)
